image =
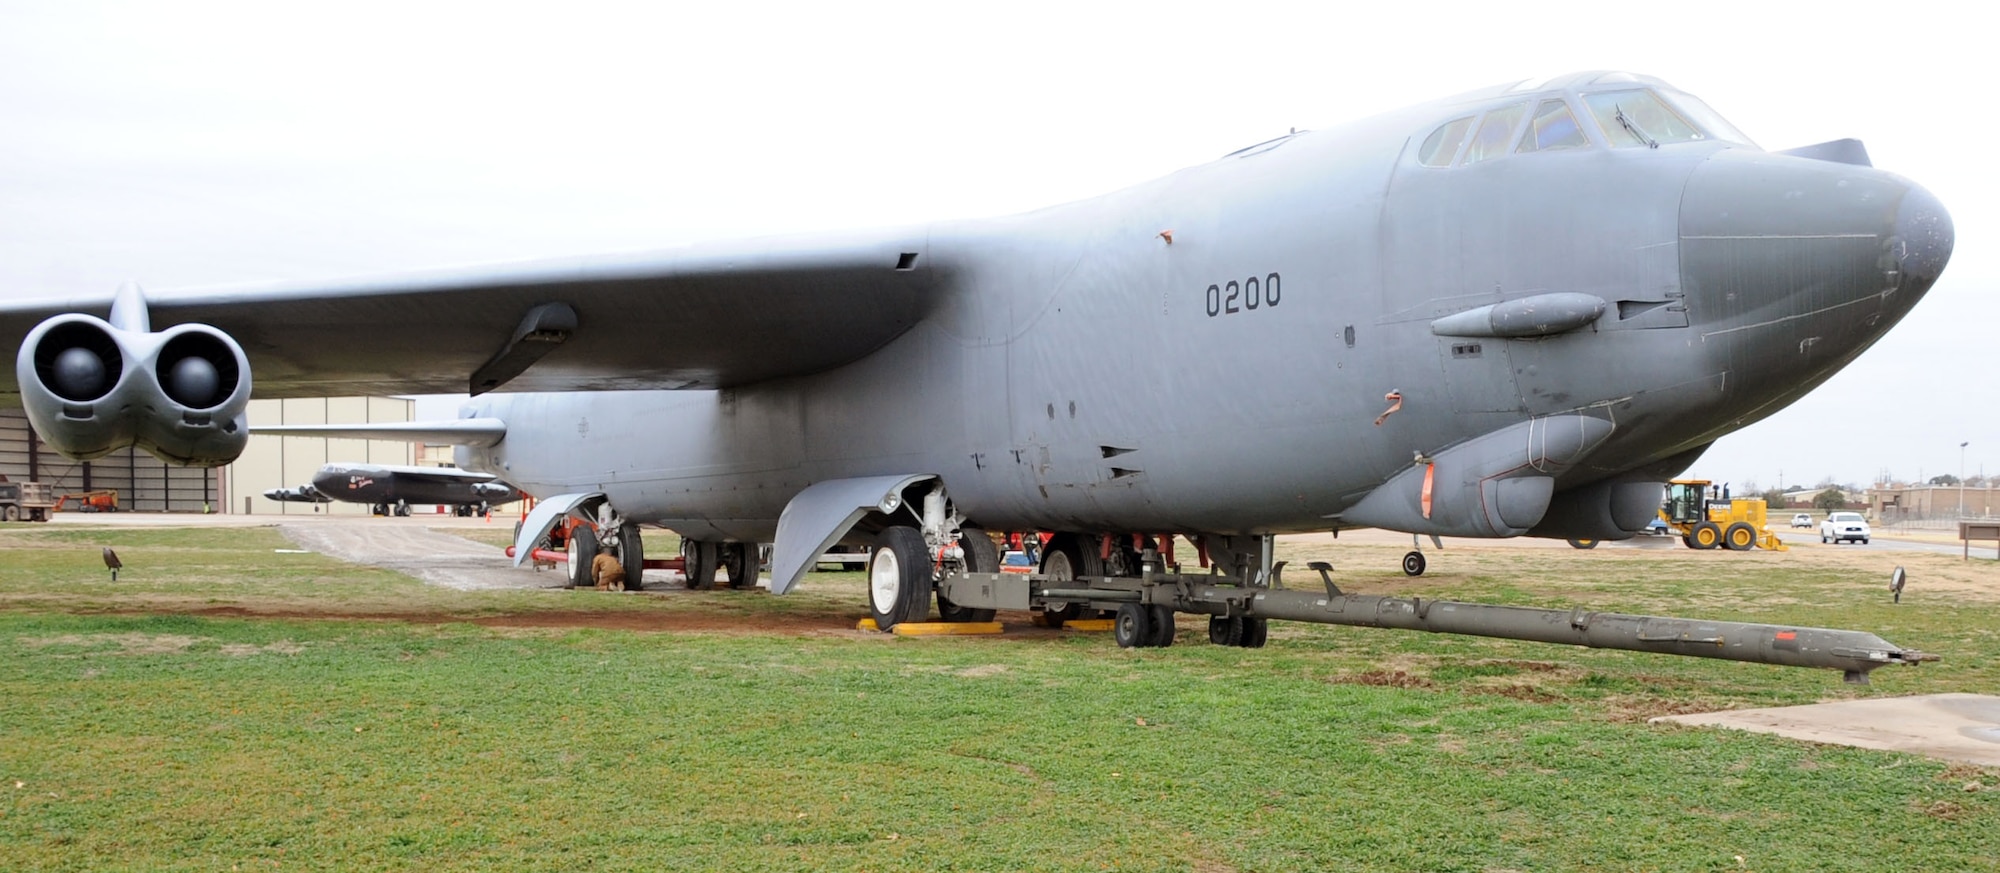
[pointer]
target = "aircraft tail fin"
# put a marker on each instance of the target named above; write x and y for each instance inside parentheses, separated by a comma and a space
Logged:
(476, 432)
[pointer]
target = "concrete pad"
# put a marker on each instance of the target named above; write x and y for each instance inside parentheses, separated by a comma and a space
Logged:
(1949, 727)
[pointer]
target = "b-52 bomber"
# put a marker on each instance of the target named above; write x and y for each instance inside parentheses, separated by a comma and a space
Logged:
(391, 489)
(1513, 312)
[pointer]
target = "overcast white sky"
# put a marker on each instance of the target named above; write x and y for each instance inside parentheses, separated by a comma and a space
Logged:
(196, 143)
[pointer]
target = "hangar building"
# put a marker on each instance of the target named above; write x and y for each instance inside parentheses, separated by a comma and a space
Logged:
(145, 484)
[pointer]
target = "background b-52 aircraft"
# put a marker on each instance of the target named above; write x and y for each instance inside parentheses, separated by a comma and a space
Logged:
(1516, 311)
(391, 488)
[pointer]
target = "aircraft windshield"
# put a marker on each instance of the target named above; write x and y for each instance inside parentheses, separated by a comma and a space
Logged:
(1639, 118)
(1553, 128)
(1706, 118)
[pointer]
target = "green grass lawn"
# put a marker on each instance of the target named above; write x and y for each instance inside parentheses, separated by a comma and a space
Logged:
(138, 733)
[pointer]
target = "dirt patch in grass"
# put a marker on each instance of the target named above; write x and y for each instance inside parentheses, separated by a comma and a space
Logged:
(1628, 709)
(1384, 679)
(676, 622)
(154, 644)
(127, 644)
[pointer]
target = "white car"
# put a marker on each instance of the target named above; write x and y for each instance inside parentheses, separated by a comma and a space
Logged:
(1803, 519)
(1842, 526)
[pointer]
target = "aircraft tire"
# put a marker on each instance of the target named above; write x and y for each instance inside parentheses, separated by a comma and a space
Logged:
(1414, 564)
(1706, 535)
(699, 563)
(899, 578)
(1740, 537)
(1255, 632)
(582, 551)
(980, 557)
(1066, 557)
(1133, 627)
(740, 562)
(1163, 625)
(632, 556)
(1225, 630)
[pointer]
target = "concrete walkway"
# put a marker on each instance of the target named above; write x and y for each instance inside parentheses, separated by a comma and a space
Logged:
(1949, 727)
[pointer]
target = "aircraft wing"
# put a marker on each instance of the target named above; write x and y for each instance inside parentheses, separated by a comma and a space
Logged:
(697, 317)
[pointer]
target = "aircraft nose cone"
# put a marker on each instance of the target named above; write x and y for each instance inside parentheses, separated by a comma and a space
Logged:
(1792, 266)
(1924, 237)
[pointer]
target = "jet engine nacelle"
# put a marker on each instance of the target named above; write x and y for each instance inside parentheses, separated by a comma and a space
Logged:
(1495, 485)
(91, 388)
(1601, 511)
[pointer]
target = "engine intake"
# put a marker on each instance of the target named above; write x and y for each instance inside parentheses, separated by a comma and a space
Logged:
(91, 388)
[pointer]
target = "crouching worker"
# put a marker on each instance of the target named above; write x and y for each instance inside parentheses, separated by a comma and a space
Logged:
(609, 573)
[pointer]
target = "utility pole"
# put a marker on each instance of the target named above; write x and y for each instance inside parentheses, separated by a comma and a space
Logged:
(1961, 477)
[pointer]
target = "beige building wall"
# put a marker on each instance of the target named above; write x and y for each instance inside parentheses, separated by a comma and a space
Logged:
(1890, 504)
(288, 462)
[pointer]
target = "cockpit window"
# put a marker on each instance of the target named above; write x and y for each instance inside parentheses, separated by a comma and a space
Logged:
(1639, 118)
(1495, 133)
(1442, 145)
(1706, 118)
(1554, 127)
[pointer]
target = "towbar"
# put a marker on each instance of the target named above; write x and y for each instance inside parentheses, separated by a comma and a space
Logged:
(1855, 653)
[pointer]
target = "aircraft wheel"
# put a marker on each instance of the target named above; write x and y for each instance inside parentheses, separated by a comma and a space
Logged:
(1740, 537)
(1706, 535)
(699, 562)
(1414, 563)
(1066, 558)
(632, 556)
(1583, 543)
(1225, 630)
(1163, 625)
(582, 551)
(1133, 628)
(1255, 632)
(899, 578)
(741, 562)
(402, 509)
(980, 557)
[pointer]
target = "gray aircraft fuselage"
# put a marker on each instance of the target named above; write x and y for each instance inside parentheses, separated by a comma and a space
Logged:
(1210, 352)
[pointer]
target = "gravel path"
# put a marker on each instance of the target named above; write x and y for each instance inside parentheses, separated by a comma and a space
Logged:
(436, 558)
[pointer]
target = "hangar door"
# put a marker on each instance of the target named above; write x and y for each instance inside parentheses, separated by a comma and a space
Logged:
(143, 482)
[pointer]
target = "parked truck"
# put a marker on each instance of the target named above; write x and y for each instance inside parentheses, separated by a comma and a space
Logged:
(32, 501)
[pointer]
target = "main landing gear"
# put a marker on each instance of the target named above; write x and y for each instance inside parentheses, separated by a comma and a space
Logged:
(739, 563)
(909, 560)
(613, 533)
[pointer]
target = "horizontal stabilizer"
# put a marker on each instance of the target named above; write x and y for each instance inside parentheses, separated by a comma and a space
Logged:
(477, 432)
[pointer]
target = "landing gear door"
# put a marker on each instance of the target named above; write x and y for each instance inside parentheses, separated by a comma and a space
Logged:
(544, 517)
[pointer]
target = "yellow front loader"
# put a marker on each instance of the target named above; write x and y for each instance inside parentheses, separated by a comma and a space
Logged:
(1705, 522)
